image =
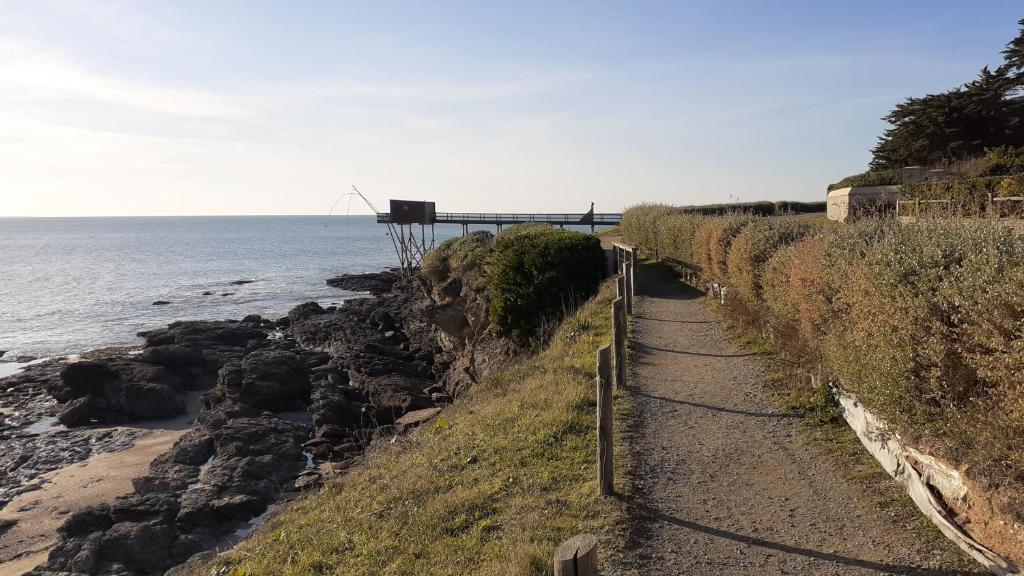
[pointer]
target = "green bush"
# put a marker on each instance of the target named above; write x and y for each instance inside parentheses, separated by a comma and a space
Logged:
(1003, 161)
(458, 257)
(965, 196)
(539, 275)
(870, 178)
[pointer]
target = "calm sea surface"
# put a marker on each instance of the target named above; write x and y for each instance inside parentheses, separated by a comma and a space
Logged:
(73, 284)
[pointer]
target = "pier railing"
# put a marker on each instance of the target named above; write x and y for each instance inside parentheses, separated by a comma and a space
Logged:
(506, 218)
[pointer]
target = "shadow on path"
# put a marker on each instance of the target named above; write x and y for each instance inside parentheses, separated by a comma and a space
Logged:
(715, 408)
(676, 321)
(656, 515)
(640, 347)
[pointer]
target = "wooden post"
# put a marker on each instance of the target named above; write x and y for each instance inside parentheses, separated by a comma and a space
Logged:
(619, 341)
(632, 271)
(605, 471)
(620, 286)
(627, 271)
(577, 556)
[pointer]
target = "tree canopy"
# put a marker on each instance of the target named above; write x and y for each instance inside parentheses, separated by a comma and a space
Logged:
(961, 123)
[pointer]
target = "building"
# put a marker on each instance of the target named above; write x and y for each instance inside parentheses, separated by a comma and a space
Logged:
(844, 204)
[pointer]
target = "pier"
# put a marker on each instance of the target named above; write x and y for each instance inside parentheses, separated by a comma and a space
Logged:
(409, 222)
(501, 219)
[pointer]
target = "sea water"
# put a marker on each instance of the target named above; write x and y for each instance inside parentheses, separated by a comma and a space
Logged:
(73, 284)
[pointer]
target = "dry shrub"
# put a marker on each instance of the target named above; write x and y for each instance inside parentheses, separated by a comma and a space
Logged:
(797, 299)
(676, 236)
(750, 252)
(640, 224)
(924, 322)
(713, 238)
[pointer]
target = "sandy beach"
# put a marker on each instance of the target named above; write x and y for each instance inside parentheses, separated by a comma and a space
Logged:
(97, 480)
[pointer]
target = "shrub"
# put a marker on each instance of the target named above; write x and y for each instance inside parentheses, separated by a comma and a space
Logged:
(713, 237)
(1002, 161)
(537, 276)
(921, 321)
(870, 178)
(965, 196)
(750, 251)
(456, 257)
(797, 300)
(675, 233)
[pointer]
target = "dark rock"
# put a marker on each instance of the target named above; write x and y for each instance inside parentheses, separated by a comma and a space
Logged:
(81, 379)
(241, 282)
(140, 508)
(165, 477)
(88, 555)
(77, 412)
(207, 293)
(273, 379)
(252, 320)
(117, 391)
(203, 333)
(86, 521)
(393, 394)
(376, 283)
(176, 358)
(194, 448)
(304, 312)
(227, 294)
(161, 302)
(141, 546)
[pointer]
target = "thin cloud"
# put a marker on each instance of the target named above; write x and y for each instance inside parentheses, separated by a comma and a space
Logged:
(29, 73)
(447, 92)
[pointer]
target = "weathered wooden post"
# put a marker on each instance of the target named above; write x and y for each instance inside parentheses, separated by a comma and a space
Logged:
(633, 252)
(577, 556)
(619, 341)
(605, 480)
(620, 286)
(627, 271)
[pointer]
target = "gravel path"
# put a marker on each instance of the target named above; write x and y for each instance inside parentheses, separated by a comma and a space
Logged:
(724, 482)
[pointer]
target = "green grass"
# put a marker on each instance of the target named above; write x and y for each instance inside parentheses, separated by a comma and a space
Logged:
(491, 488)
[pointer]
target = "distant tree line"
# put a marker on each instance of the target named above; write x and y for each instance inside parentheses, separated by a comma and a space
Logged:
(959, 124)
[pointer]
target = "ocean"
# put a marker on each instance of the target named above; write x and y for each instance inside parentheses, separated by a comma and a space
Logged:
(74, 284)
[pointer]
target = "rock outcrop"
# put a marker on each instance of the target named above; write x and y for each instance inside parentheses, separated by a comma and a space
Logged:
(320, 384)
(375, 283)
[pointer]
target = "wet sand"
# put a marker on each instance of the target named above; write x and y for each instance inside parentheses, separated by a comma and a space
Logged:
(97, 480)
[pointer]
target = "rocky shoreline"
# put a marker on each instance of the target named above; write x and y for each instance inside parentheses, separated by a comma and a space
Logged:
(285, 403)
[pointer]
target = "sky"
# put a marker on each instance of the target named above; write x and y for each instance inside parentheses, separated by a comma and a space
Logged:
(185, 107)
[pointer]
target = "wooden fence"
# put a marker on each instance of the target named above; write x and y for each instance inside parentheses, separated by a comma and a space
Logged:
(577, 556)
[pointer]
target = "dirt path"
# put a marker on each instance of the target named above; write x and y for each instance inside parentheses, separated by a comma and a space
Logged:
(726, 484)
(97, 480)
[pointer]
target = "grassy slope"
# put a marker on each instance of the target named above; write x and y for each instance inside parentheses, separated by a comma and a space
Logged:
(492, 488)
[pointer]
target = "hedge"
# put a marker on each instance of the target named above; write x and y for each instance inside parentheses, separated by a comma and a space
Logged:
(966, 196)
(921, 321)
(870, 178)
